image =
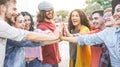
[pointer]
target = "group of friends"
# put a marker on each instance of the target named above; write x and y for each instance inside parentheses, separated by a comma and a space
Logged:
(93, 42)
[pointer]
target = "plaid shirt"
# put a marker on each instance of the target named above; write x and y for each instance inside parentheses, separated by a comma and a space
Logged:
(104, 59)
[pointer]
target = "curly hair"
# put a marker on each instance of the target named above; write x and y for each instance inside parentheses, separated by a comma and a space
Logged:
(84, 20)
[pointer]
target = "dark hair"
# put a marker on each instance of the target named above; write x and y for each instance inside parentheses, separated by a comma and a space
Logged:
(15, 19)
(41, 16)
(100, 12)
(3, 2)
(6, 1)
(114, 3)
(31, 19)
(83, 17)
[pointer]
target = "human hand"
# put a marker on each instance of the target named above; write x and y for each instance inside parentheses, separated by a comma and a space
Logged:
(64, 30)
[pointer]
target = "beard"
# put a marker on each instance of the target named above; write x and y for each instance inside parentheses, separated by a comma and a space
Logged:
(49, 17)
(10, 20)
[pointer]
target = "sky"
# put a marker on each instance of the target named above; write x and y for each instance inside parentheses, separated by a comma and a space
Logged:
(31, 5)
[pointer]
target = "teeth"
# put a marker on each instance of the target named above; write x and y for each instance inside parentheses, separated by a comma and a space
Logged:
(75, 21)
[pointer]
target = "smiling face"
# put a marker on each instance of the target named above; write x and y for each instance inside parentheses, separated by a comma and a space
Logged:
(108, 18)
(97, 20)
(19, 23)
(117, 14)
(49, 14)
(75, 18)
(27, 22)
(11, 11)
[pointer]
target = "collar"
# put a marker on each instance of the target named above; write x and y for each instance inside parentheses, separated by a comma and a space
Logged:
(118, 29)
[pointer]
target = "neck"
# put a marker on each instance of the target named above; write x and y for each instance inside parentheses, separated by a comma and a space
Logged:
(77, 27)
(2, 17)
(47, 20)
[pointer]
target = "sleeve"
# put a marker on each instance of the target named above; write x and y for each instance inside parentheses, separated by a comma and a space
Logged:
(24, 43)
(7, 31)
(92, 39)
(42, 32)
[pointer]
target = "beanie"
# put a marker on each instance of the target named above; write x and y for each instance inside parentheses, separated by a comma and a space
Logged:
(45, 6)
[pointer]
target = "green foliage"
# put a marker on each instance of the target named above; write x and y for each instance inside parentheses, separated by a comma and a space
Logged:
(62, 13)
(92, 7)
(104, 3)
(96, 4)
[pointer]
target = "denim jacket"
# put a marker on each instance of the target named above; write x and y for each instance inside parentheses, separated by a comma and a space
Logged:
(15, 55)
(6, 31)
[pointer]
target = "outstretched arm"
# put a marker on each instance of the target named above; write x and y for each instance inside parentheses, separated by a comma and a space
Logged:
(33, 36)
(70, 39)
(23, 43)
(17, 34)
(51, 42)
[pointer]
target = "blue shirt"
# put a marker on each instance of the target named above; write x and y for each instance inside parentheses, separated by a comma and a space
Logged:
(15, 54)
(111, 38)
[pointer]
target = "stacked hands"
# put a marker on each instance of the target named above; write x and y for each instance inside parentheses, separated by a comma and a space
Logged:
(62, 33)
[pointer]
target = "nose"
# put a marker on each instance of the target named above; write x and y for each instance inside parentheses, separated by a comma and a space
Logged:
(93, 21)
(116, 16)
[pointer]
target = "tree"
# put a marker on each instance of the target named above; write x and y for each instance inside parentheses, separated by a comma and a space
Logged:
(93, 5)
(105, 3)
(62, 13)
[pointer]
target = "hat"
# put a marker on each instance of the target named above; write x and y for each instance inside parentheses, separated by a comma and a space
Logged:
(45, 6)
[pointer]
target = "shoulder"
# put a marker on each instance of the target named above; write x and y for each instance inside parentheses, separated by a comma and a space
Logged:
(109, 29)
(84, 29)
(106, 32)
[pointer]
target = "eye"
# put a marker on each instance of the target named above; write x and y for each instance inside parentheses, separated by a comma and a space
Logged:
(20, 21)
(118, 10)
(95, 18)
(29, 20)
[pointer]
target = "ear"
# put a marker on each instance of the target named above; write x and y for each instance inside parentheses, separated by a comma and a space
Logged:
(2, 8)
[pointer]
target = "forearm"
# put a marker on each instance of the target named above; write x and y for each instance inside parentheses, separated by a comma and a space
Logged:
(70, 39)
(32, 36)
(51, 42)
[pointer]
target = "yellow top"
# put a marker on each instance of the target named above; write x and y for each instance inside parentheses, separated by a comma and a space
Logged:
(83, 55)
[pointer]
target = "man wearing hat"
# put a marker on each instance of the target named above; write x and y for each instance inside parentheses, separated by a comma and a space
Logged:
(51, 55)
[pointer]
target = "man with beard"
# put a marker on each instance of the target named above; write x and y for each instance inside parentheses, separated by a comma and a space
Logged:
(7, 9)
(51, 56)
